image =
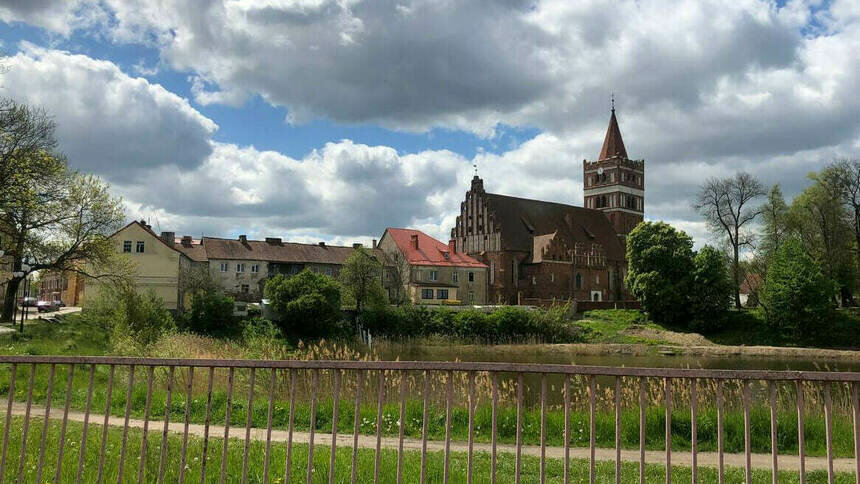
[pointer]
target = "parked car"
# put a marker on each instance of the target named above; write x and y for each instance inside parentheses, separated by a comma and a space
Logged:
(47, 306)
(28, 302)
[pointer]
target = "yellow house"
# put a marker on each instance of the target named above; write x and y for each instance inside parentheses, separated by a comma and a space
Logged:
(158, 265)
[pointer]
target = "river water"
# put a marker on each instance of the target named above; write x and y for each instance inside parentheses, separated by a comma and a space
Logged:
(560, 354)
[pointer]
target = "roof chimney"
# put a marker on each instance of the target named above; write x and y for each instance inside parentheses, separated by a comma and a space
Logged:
(273, 240)
(322, 244)
(243, 239)
(452, 245)
(169, 238)
(186, 240)
(374, 243)
(415, 241)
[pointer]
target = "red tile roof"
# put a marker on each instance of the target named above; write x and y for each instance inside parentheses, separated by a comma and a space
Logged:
(430, 252)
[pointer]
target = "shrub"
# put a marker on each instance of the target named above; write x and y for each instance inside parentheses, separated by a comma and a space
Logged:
(131, 321)
(263, 339)
(308, 304)
(796, 296)
(211, 314)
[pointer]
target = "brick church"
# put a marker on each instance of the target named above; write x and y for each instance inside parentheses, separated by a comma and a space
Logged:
(541, 251)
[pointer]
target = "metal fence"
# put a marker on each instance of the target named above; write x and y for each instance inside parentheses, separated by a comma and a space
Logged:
(261, 378)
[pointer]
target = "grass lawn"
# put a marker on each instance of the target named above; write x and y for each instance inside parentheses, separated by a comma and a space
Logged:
(740, 328)
(366, 457)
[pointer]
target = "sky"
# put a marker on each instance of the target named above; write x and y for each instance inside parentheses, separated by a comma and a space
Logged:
(330, 120)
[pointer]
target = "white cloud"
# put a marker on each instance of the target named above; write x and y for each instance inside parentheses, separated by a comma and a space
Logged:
(108, 122)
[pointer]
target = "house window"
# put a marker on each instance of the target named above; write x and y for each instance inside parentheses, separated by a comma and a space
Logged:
(578, 280)
(224, 267)
(442, 294)
(471, 277)
(329, 271)
(434, 275)
(240, 267)
(245, 288)
(139, 249)
(472, 297)
(126, 246)
(427, 294)
(454, 276)
(255, 268)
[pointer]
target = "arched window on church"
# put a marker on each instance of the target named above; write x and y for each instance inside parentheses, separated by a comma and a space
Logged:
(578, 280)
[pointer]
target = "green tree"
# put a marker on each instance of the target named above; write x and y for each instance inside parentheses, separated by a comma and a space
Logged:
(361, 279)
(797, 296)
(660, 261)
(211, 314)
(712, 289)
(131, 321)
(775, 228)
(308, 304)
(820, 220)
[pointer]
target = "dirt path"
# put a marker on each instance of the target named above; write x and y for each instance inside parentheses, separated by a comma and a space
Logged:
(679, 458)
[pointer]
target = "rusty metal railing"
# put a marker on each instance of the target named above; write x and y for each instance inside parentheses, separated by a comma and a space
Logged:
(552, 388)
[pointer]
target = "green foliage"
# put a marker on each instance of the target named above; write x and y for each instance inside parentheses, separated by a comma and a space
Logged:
(775, 222)
(712, 289)
(263, 339)
(508, 324)
(211, 314)
(131, 321)
(361, 279)
(661, 262)
(308, 304)
(797, 297)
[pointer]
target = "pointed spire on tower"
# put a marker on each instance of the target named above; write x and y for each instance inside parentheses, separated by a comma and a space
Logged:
(613, 144)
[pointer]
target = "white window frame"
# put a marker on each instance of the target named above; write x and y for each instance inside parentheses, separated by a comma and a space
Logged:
(225, 267)
(255, 268)
(434, 276)
(240, 268)
(140, 247)
(455, 276)
(126, 244)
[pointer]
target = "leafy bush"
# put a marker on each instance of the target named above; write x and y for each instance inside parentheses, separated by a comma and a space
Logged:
(509, 324)
(211, 314)
(131, 321)
(796, 297)
(308, 304)
(263, 339)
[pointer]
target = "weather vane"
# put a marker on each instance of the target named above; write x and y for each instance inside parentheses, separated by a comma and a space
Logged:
(613, 101)
(476, 169)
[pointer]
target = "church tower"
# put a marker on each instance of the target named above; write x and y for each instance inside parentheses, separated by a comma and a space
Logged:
(614, 183)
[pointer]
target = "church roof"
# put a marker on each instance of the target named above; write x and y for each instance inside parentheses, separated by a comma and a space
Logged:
(612, 144)
(523, 219)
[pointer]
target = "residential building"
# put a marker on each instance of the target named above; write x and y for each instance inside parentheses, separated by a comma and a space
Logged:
(158, 264)
(65, 286)
(538, 252)
(241, 266)
(434, 272)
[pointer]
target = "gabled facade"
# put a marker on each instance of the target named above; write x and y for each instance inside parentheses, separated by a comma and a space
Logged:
(433, 272)
(538, 252)
(158, 265)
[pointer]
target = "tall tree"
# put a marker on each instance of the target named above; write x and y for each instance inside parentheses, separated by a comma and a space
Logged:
(361, 278)
(820, 221)
(59, 220)
(25, 132)
(661, 269)
(844, 177)
(774, 213)
(727, 204)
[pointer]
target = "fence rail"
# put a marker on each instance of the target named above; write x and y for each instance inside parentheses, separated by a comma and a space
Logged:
(31, 396)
